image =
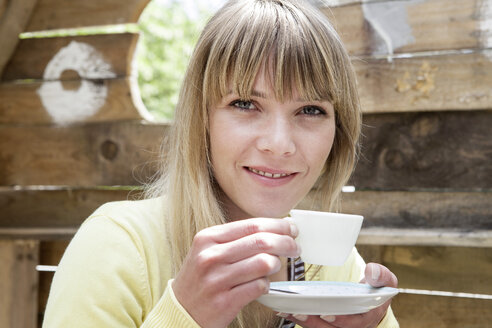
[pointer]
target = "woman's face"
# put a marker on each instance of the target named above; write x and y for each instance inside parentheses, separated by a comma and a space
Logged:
(266, 155)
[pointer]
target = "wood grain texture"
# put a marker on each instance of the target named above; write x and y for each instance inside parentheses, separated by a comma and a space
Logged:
(421, 311)
(123, 153)
(14, 16)
(3, 7)
(62, 207)
(467, 211)
(412, 26)
(115, 49)
(55, 14)
(458, 81)
(423, 237)
(19, 283)
(50, 254)
(446, 268)
(21, 102)
(412, 151)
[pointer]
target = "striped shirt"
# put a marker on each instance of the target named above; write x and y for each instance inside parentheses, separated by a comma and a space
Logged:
(295, 273)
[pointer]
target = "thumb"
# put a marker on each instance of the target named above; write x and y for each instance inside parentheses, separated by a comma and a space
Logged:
(378, 275)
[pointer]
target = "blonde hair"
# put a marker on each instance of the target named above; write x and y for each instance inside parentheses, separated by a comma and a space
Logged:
(304, 53)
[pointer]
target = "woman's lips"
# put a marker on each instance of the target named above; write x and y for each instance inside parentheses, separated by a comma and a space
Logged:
(268, 174)
(270, 177)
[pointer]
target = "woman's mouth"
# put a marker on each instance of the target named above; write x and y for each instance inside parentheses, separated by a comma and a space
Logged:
(269, 174)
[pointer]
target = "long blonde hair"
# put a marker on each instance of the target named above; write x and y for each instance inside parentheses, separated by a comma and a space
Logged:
(304, 53)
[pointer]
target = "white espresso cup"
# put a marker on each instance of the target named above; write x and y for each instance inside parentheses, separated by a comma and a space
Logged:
(325, 238)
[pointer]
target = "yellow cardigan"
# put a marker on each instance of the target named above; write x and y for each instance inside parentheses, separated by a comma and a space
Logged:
(116, 273)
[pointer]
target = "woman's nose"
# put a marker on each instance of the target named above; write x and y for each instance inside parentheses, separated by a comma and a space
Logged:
(277, 137)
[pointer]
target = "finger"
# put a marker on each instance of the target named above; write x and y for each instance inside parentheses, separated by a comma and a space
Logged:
(368, 319)
(249, 269)
(311, 321)
(248, 246)
(378, 275)
(249, 291)
(235, 230)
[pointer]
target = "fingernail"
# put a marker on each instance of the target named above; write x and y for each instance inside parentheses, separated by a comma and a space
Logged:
(282, 315)
(376, 272)
(300, 317)
(328, 318)
(293, 230)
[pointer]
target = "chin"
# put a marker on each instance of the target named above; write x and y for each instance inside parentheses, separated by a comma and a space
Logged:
(270, 212)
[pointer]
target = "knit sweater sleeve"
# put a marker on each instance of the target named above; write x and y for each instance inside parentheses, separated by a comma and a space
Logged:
(102, 281)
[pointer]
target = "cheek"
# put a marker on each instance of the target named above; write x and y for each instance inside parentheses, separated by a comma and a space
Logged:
(224, 141)
(321, 150)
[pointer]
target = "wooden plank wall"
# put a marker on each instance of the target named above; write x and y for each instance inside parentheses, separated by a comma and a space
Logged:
(70, 122)
(423, 180)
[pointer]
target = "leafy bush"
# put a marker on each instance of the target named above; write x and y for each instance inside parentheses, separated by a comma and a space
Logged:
(168, 35)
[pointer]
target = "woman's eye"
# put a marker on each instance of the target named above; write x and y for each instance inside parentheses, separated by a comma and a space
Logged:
(243, 104)
(313, 111)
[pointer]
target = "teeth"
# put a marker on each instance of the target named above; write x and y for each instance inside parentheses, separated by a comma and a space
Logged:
(267, 174)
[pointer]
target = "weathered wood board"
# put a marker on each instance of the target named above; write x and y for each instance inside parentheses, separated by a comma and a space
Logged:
(458, 81)
(467, 211)
(422, 311)
(56, 207)
(14, 16)
(411, 151)
(55, 14)
(73, 57)
(50, 254)
(18, 283)
(441, 268)
(68, 101)
(80, 155)
(393, 27)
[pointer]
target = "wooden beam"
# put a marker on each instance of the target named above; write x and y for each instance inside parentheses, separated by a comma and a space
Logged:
(426, 210)
(61, 208)
(19, 283)
(425, 237)
(426, 82)
(3, 7)
(415, 151)
(50, 254)
(22, 103)
(386, 27)
(118, 153)
(54, 14)
(456, 269)
(422, 311)
(95, 56)
(14, 16)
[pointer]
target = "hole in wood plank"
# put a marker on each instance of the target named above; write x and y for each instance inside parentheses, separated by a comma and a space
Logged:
(109, 150)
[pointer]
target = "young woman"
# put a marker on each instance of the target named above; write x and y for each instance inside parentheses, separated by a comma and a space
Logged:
(268, 109)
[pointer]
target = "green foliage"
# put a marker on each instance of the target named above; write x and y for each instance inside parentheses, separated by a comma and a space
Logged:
(167, 38)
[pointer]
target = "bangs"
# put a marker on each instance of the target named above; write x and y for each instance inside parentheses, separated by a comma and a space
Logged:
(277, 38)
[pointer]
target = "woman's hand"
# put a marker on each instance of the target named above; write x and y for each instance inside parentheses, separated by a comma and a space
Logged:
(228, 265)
(376, 275)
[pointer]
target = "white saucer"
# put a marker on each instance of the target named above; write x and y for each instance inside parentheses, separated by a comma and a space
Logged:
(325, 297)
